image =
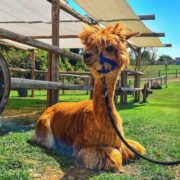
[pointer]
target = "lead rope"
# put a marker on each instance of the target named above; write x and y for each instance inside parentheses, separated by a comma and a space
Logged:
(104, 92)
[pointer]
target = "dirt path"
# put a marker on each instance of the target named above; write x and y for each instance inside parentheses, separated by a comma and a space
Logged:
(174, 80)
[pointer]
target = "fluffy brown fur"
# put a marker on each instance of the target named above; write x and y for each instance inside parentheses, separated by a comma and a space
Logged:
(85, 126)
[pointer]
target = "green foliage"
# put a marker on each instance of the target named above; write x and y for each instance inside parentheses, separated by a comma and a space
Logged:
(41, 59)
(165, 58)
(146, 57)
(14, 57)
(22, 58)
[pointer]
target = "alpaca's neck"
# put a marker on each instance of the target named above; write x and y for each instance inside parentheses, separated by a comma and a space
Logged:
(98, 99)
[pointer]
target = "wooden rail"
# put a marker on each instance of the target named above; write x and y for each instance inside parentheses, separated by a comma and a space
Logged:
(150, 81)
(62, 76)
(45, 85)
(175, 72)
(38, 44)
(41, 71)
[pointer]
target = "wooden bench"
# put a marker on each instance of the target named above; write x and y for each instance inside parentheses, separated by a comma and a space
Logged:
(123, 89)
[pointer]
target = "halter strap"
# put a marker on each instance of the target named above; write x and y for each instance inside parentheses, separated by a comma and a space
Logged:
(104, 60)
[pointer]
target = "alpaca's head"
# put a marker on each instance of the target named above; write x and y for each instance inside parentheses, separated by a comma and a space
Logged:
(110, 43)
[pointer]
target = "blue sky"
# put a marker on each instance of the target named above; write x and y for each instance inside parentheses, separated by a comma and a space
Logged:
(167, 14)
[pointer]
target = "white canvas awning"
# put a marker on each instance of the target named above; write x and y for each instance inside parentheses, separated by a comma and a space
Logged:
(114, 11)
(33, 18)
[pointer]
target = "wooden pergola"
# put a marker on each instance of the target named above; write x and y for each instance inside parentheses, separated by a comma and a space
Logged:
(55, 51)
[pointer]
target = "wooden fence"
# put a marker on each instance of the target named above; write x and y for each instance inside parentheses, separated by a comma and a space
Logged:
(122, 88)
(169, 73)
(84, 76)
(150, 81)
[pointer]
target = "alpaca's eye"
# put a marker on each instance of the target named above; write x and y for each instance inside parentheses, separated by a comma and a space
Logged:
(109, 49)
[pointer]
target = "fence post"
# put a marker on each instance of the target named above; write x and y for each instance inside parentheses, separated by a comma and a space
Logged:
(63, 91)
(123, 84)
(137, 85)
(165, 79)
(32, 69)
(159, 73)
(161, 81)
(91, 84)
(53, 60)
(87, 83)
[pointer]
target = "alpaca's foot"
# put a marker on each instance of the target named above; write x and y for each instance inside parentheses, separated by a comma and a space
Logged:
(127, 154)
(44, 135)
(101, 158)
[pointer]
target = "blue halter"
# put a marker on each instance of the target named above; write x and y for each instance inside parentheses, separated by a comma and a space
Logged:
(104, 60)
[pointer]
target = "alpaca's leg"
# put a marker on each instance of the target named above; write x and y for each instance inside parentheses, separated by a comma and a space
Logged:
(127, 154)
(44, 135)
(101, 158)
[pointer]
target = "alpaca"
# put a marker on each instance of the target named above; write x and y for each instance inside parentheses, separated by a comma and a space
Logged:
(85, 126)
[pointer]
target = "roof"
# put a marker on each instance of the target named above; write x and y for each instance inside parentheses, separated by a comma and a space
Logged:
(33, 18)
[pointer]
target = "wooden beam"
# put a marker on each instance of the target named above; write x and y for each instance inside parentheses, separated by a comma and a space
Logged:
(167, 45)
(84, 19)
(152, 35)
(73, 13)
(147, 17)
(40, 71)
(76, 36)
(38, 44)
(32, 69)
(132, 46)
(138, 63)
(53, 70)
(45, 85)
(50, 37)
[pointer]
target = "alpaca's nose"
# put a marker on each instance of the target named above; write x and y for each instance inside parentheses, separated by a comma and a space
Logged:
(87, 57)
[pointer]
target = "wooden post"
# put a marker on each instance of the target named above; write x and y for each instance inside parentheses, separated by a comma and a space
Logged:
(137, 76)
(86, 83)
(138, 58)
(165, 80)
(137, 85)
(123, 84)
(91, 84)
(63, 92)
(161, 81)
(159, 73)
(32, 69)
(53, 66)
(176, 73)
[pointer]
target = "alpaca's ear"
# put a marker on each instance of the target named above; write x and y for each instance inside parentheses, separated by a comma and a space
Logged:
(132, 34)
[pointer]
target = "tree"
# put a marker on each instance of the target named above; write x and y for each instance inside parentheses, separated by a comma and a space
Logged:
(148, 57)
(165, 58)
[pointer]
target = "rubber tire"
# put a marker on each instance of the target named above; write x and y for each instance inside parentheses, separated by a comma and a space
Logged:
(6, 81)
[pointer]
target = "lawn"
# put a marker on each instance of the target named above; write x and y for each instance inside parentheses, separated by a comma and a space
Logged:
(155, 124)
(152, 70)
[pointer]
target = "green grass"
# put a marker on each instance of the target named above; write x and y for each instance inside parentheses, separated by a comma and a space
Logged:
(152, 70)
(155, 124)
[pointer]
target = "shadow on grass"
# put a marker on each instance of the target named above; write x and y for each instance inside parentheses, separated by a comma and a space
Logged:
(129, 105)
(11, 126)
(71, 168)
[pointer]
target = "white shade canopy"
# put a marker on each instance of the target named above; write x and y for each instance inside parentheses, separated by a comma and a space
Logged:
(33, 18)
(114, 11)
